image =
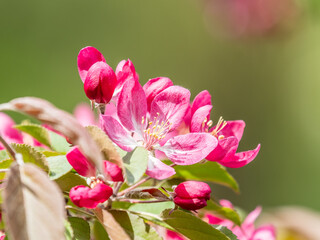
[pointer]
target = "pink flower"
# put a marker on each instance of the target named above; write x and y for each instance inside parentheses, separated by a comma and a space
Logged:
(98, 192)
(171, 235)
(101, 83)
(192, 195)
(84, 115)
(138, 127)
(247, 230)
(7, 130)
(228, 133)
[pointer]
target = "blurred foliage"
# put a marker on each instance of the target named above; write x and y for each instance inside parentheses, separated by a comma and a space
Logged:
(270, 83)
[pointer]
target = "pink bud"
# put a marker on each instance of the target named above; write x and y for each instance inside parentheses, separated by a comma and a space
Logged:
(192, 195)
(100, 82)
(80, 163)
(83, 196)
(114, 171)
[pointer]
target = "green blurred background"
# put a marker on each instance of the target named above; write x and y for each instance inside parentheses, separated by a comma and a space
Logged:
(270, 82)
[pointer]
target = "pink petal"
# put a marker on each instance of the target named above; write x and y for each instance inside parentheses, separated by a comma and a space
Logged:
(267, 232)
(84, 115)
(132, 106)
(190, 204)
(80, 163)
(124, 71)
(233, 128)
(227, 146)
(158, 170)
(240, 159)
(86, 58)
(171, 105)
(117, 133)
(83, 196)
(193, 189)
(248, 223)
(202, 99)
(113, 171)
(226, 203)
(155, 86)
(190, 148)
(171, 235)
(100, 82)
(197, 121)
(7, 131)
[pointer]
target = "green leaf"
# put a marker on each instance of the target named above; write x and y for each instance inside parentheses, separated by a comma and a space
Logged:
(226, 231)
(98, 231)
(209, 171)
(36, 131)
(223, 212)
(58, 166)
(134, 226)
(4, 155)
(191, 226)
(135, 164)
(58, 142)
(31, 155)
(68, 231)
(80, 228)
(5, 164)
(153, 208)
(51, 153)
(70, 180)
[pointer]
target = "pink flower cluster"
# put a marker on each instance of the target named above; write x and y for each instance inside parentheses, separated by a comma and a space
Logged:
(159, 117)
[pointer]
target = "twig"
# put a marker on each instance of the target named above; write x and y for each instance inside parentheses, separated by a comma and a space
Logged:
(79, 210)
(10, 150)
(142, 201)
(117, 188)
(134, 186)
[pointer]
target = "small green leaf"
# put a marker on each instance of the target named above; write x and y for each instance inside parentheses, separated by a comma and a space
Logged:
(226, 231)
(99, 232)
(134, 226)
(68, 233)
(154, 208)
(4, 155)
(209, 171)
(70, 180)
(135, 164)
(58, 142)
(58, 166)
(51, 153)
(191, 226)
(224, 212)
(80, 228)
(31, 155)
(5, 164)
(36, 131)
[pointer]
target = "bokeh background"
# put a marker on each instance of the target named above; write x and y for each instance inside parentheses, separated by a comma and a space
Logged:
(269, 76)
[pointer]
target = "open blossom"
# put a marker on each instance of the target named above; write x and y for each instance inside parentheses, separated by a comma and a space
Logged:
(7, 130)
(98, 192)
(136, 126)
(192, 195)
(84, 115)
(247, 230)
(101, 83)
(228, 133)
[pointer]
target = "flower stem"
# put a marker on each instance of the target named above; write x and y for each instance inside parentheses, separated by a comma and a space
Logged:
(79, 210)
(12, 153)
(134, 186)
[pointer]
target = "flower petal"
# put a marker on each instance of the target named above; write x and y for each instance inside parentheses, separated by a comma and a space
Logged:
(132, 106)
(202, 99)
(84, 115)
(171, 105)
(7, 131)
(233, 128)
(113, 171)
(86, 58)
(227, 146)
(266, 232)
(124, 71)
(117, 133)
(100, 82)
(198, 118)
(240, 159)
(155, 86)
(190, 204)
(80, 163)
(159, 170)
(193, 189)
(190, 148)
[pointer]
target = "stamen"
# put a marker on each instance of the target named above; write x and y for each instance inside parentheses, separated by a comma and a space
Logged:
(142, 121)
(220, 125)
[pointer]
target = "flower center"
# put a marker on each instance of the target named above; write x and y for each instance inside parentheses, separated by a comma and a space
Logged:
(155, 131)
(93, 181)
(220, 125)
